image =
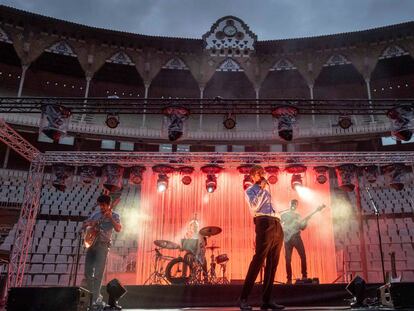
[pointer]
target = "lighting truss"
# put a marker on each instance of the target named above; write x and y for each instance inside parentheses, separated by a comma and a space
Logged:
(231, 159)
(15, 141)
(103, 105)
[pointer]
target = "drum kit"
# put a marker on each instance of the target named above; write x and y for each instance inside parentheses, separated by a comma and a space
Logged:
(191, 268)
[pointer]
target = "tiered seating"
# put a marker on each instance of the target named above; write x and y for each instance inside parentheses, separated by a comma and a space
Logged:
(55, 242)
(397, 231)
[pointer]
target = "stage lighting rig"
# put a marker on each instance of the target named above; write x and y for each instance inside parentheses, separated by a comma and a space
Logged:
(112, 120)
(186, 171)
(54, 122)
(394, 175)
(346, 175)
(211, 182)
(163, 171)
(297, 170)
(401, 118)
(286, 116)
(135, 175)
(344, 122)
(229, 122)
(61, 172)
(321, 174)
(247, 179)
(176, 117)
(87, 174)
(370, 173)
(113, 174)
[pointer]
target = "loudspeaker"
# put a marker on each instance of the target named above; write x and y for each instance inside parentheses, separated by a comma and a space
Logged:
(48, 299)
(357, 289)
(115, 291)
(397, 295)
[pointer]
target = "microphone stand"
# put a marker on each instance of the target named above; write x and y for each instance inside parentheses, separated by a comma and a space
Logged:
(379, 233)
(74, 272)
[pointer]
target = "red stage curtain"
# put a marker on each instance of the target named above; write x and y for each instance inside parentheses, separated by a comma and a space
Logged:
(165, 216)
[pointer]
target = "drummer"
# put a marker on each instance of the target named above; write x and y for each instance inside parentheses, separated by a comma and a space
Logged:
(193, 233)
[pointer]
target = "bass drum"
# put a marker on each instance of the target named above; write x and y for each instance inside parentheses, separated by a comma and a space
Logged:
(178, 271)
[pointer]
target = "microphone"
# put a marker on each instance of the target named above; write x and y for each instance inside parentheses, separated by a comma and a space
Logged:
(265, 180)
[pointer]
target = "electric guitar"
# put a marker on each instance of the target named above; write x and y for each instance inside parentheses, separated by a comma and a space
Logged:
(293, 228)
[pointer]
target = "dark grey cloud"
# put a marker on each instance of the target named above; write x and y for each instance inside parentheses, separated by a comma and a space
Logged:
(269, 19)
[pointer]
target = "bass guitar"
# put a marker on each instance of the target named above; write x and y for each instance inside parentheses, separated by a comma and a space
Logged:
(293, 228)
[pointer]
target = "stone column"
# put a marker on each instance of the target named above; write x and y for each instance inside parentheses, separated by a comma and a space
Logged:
(144, 116)
(310, 86)
(22, 78)
(200, 125)
(257, 91)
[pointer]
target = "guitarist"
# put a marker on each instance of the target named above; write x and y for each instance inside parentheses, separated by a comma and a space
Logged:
(104, 221)
(291, 219)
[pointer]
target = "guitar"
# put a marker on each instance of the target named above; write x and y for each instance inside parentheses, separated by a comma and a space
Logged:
(91, 233)
(393, 278)
(293, 228)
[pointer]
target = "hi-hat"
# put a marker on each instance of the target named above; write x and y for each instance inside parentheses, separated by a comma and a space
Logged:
(210, 231)
(166, 244)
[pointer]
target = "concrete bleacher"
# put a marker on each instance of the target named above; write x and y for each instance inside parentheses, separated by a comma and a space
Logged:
(55, 242)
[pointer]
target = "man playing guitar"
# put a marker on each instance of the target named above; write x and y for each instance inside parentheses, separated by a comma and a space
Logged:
(290, 220)
(98, 239)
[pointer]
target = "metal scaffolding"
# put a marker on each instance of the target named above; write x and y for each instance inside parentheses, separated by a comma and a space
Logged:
(203, 106)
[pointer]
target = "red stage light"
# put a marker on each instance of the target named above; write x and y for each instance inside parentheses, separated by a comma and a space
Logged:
(272, 179)
(186, 180)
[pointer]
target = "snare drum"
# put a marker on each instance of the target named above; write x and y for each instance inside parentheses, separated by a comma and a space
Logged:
(221, 259)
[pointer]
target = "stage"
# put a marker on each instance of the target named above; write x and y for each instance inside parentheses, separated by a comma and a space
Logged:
(212, 297)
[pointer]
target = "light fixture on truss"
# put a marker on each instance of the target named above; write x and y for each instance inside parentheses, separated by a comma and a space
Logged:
(176, 116)
(286, 116)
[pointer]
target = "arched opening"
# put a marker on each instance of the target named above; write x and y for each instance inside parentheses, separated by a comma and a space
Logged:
(10, 70)
(393, 78)
(118, 76)
(56, 72)
(174, 83)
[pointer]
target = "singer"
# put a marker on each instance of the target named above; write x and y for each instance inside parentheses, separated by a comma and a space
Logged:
(269, 240)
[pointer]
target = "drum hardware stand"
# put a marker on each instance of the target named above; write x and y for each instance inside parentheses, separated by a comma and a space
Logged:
(223, 279)
(157, 277)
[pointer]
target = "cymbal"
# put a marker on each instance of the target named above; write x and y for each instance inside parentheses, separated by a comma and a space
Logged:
(166, 244)
(210, 231)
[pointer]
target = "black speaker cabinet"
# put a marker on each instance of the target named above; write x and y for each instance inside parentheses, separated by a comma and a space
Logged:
(397, 295)
(48, 299)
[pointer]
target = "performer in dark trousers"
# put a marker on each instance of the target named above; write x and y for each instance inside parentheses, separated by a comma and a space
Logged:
(269, 240)
(103, 222)
(292, 225)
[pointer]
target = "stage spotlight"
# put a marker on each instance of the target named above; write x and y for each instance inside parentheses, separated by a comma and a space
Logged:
(357, 289)
(115, 291)
(401, 122)
(371, 173)
(273, 172)
(135, 175)
(286, 116)
(211, 183)
(245, 170)
(346, 176)
(87, 174)
(345, 122)
(113, 174)
(162, 183)
(296, 181)
(186, 180)
(186, 171)
(394, 174)
(54, 121)
(112, 120)
(321, 174)
(176, 117)
(229, 122)
(61, 172)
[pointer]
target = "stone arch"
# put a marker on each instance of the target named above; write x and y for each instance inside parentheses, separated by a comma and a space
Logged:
(229, 64)
(337, 60)
(175, 63)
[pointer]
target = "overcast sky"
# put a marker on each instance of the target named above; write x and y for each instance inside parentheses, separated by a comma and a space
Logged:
(269, 19)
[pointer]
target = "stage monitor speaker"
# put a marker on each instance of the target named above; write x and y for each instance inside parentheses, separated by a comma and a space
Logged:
(357, 289)
(397, 295)
(115, 291)
(48, 299)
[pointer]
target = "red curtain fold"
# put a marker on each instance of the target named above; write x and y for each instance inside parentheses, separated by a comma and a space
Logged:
(164, 216)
